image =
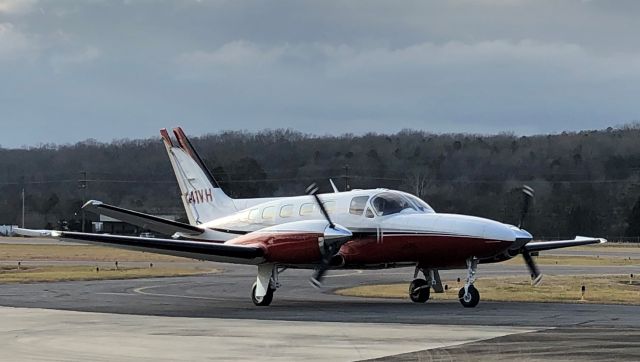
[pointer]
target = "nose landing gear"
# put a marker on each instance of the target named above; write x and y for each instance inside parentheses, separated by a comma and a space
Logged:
(469, 295)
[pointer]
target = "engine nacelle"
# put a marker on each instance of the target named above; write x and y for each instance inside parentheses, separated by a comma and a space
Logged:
(300, 242)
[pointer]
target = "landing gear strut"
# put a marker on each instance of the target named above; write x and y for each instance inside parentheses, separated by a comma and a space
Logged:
(469, 295)
(265, 285)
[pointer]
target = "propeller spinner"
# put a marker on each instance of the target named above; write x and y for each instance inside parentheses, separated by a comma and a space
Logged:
(334, 238)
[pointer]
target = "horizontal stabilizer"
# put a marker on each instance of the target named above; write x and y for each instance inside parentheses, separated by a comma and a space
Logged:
(558, 244)
(145, 221)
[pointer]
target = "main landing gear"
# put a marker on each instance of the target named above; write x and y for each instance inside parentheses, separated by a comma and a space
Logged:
(469, 295)
(266, 284)
(420, 289)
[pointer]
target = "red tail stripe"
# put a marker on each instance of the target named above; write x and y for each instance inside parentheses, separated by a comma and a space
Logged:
(182, 141)
(165, 137)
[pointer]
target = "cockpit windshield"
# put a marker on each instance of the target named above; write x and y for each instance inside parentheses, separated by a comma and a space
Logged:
(420, 204)
(388, 203)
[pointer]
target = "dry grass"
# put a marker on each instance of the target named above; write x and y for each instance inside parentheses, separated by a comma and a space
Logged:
(31, 274)
(579, 260)
(606, 289)
(33, 252)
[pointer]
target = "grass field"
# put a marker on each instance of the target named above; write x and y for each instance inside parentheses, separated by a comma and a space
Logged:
(32, 252)
(601, 260)
(47, 273)
(600, 289)
(606, 289)
(43, 253)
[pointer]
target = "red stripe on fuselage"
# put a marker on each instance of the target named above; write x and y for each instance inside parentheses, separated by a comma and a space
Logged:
(438, 251)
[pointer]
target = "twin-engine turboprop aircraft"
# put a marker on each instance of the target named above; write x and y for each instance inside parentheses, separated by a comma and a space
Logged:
(358, 229)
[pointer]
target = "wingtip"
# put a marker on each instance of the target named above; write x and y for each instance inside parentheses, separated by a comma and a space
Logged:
(92, 203)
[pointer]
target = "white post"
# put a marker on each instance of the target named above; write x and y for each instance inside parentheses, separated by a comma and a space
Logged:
(23, 208)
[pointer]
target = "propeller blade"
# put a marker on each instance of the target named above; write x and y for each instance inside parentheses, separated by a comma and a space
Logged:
(528, 194)
(536, 276)
(334, 238)
(313, 191)
(318, 274)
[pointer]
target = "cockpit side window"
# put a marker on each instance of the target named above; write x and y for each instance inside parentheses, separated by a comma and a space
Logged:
(357, 205)
(368, 213)
(388, 203)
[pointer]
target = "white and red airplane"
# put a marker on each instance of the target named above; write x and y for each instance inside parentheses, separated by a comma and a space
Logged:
(358, 229)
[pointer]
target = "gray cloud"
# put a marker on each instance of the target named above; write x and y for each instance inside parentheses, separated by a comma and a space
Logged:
(104, 69)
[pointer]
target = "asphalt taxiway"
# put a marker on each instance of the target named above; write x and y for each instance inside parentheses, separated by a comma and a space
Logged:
(209, 316)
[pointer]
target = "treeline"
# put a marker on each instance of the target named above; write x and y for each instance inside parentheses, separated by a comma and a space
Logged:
(586, 182)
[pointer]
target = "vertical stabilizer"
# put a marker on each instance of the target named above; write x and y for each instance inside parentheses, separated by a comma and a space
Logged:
(202, 197)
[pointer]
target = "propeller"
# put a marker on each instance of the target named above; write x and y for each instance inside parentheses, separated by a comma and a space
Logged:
(334, 238)
(528, 194)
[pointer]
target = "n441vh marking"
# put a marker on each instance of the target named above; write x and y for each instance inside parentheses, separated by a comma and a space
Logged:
(200, 196)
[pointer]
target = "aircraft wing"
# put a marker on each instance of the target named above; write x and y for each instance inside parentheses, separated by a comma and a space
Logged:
(146, 221)
(550, 245)
(237, 254)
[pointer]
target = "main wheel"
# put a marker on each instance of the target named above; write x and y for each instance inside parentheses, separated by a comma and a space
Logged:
(471, 299)
(261, 301)
(419, 291)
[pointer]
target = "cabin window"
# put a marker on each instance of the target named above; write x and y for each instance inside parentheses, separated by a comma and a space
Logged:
(307, 209)
(286, 211)
(330, 206)
(357, 205)
(254, 214)
(269, 213)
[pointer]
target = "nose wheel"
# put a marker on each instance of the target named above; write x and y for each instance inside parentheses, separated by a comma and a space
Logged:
(469, 299)
(469, 296)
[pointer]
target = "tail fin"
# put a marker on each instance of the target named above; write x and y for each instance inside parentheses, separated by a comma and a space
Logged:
(201, 194)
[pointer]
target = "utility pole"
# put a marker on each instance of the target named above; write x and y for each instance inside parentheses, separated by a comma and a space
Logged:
(346, 178)
(82, 184)
(23, 207)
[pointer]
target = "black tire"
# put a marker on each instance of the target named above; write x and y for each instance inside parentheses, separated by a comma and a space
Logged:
(472, 299)
(418, 292)
(264, 301)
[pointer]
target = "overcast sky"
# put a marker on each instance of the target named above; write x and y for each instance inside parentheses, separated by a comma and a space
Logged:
(73, 70)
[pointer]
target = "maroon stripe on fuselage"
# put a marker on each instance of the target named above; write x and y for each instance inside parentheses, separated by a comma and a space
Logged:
(439, 251)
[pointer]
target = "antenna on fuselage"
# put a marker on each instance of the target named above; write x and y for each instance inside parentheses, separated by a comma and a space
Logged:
(333, 186)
